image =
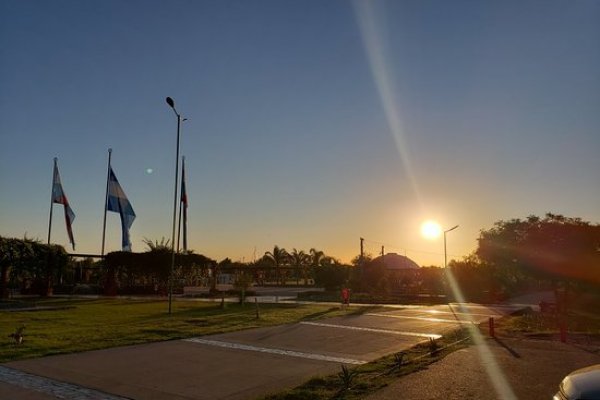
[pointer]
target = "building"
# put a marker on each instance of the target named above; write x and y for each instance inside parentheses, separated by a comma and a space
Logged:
(401, 271)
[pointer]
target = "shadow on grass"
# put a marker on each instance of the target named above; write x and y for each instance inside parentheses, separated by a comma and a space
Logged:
(364, 310)
(320, 314)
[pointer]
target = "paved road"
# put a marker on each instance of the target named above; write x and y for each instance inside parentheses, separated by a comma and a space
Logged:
(238, 365)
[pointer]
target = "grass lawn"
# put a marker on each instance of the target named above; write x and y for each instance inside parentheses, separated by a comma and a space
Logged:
(77, 325)
(582, 317)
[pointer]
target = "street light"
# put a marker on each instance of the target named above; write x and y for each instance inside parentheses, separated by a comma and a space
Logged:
(171, 104)
(445, 253)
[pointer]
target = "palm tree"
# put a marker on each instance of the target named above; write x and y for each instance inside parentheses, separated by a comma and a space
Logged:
(318, 258)
(300, 260)
(163, 245)
(277, 257)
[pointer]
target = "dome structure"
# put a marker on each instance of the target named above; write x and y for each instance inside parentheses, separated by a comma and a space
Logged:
(393, 261)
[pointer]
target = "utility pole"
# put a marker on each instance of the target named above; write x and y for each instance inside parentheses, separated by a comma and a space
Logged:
(362, 253)
(382, 251)
(361, 260)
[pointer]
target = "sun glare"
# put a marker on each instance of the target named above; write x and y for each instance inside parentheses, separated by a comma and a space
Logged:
(431, 230)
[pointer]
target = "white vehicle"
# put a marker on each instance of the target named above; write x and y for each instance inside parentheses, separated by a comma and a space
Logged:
(582, 384)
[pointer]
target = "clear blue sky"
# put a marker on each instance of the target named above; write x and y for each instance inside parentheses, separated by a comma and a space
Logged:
(311, 123)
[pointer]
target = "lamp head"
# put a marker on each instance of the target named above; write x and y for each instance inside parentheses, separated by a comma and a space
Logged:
(170, 102)
(451, 229)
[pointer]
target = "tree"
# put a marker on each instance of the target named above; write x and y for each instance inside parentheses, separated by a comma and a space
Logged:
(358, 260)
(332, 276)
(431, 280)
(277, 258)
(358, 263)
(476, 280)
(375, 278)
(301, 261)
(553, 247)
(9, 253)
(56, 262)
(29, 261)
(318, 258)
(163, 245)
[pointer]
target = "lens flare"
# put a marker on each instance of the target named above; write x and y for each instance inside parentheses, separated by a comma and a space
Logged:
(369, 22)
(501, 385)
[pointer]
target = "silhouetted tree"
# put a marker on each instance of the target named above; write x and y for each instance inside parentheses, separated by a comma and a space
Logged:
(357, 275)
(475, 279)
(29, 261)
(553, 247)
(164, 244)
(278, 257)
(332, 276)
(431, 280)
(10, 255)
(301, 261)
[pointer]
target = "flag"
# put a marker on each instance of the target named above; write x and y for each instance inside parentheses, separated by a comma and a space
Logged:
(184, 203)
(117, 202)
(59, 197)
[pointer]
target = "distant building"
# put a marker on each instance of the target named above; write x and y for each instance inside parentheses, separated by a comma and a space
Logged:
(402, 272)
(396, 262)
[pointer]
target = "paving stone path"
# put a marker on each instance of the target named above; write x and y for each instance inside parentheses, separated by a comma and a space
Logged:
(60, 390)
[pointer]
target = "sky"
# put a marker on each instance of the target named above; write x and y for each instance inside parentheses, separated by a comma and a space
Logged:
(310, 124)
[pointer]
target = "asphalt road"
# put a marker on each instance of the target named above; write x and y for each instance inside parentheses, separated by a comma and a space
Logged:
(238, 365)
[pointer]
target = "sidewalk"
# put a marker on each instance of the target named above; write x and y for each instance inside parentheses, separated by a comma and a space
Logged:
(532, 369)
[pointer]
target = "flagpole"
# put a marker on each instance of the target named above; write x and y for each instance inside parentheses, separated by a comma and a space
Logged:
(51, 200)
(179, 227)
(106, 200)
(184, 207)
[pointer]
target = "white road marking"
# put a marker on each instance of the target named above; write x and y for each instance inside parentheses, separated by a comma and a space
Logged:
(429, 319)
(58, 389)
(290, 353)
(458, 313)
(487, 307)
(388, 331)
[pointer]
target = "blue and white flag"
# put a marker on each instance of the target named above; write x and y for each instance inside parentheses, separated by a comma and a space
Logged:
(117, 201)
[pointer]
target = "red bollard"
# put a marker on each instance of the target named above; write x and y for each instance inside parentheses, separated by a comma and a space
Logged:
(491, 325)
(563, 332)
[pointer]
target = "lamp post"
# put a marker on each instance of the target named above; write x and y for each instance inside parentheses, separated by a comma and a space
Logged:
(171, 104)
(445, 252)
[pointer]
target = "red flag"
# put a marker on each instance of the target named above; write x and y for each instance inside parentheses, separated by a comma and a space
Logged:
(59, 197)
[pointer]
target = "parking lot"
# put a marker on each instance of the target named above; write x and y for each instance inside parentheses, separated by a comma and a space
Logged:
(237, 365)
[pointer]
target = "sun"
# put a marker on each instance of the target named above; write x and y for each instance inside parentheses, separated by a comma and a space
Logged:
(431, 230)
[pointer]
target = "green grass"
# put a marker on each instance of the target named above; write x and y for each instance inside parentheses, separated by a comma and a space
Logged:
(537, 323)
(80, 325)
(581, 317)
(358, 382)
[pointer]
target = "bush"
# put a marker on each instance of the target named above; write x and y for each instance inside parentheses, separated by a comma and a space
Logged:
(331, 277)
(86, 289)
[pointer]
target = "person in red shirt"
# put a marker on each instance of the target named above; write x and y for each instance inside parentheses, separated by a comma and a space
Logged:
(345, 297)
